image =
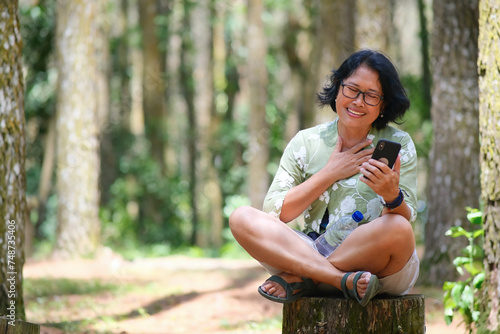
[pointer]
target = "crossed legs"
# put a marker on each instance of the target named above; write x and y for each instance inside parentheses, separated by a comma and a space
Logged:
(381, 247)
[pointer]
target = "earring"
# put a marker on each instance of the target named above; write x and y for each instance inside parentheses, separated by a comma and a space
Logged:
(381, 115)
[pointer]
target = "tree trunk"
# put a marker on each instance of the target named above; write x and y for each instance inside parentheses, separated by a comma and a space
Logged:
(489, 121)
(374, 24)
(107, 159)
(18, 327)
(454, 165)
(45, 184)
(153, 91)
(426, 70)
(209, 200)
(187, 88)
(329, 44)
(13, 210)
(258, 158)
(338, 315)
(78, 227)
(124, 66)
(334, 44)
(153, 103)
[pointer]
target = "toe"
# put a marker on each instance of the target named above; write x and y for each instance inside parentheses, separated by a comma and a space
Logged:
(362, 285)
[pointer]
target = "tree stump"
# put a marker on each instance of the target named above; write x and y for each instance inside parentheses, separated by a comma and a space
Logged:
(18, 327)
(330, 315)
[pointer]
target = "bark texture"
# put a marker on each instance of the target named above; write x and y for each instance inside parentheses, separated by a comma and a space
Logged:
(339, 315)
(77, 131)
(13, 210)
(18, 327)
(489, 121)
(454, 165)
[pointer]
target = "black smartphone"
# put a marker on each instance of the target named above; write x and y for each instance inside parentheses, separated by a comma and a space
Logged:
(386, 151)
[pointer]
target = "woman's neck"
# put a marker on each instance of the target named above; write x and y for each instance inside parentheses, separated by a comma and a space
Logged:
(351, 137)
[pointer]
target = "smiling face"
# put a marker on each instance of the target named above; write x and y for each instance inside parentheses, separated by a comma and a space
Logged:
(355, 114)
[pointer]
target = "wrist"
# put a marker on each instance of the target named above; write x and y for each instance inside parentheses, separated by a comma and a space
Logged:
(391, 198)
(395, 203)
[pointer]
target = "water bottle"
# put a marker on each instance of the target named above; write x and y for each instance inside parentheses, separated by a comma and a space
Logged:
(336, 233)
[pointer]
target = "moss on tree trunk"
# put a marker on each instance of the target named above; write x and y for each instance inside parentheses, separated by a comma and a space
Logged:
(338, 315)
(8, 326)
(489, 125)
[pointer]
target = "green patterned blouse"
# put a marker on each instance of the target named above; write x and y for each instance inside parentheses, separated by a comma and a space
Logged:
(310, 150)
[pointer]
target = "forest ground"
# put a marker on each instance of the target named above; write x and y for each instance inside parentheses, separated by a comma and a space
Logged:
(175, 294)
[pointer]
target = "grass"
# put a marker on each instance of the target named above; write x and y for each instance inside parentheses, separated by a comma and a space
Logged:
(45, 287)
(70, 304)
(62, 300)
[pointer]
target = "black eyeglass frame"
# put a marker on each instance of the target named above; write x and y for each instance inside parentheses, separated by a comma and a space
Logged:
(360, 92)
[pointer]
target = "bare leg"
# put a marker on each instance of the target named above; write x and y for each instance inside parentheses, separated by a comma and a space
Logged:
(269, 240)
(382, 247)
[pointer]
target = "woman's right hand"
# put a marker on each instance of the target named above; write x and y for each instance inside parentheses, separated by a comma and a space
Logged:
(346, 163)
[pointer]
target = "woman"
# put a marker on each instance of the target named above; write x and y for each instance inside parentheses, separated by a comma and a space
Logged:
(325, 173)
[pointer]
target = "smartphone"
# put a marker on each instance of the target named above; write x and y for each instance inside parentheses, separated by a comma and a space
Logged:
(386, 151)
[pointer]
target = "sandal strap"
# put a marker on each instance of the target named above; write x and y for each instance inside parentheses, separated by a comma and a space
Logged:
(351, 293)
(287, 286)
(307, 284)
(343, 285)
(355, 284)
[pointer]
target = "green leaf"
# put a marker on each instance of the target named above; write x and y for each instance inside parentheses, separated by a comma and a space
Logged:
(474, 268)
(461, 260)
(467, 297)
(456, 292)
(477, 233)
(457, 231)
(448, 315)
(475, 217)
(447, 286)
(475, 315)
(475, 251)
(478, 280)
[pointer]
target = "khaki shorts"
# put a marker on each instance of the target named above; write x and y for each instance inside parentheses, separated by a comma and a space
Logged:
(398, 284)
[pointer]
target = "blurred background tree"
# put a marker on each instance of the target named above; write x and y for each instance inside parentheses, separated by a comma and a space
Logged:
(77, 143)
(453, 182)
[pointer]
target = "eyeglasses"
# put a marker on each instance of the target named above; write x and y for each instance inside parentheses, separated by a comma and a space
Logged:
(352, 92)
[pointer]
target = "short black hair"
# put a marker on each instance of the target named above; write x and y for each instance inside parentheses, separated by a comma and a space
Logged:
(395, 102)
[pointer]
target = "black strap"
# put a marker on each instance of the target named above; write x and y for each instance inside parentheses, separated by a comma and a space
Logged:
(324, 221)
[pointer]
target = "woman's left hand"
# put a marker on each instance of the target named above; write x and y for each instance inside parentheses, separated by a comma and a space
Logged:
(381, 179)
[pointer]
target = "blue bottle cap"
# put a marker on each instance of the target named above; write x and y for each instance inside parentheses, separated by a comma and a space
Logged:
(357, 216)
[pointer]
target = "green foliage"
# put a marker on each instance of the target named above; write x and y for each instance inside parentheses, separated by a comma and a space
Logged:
(460, 296)
(125, 221)
(38, 30)
(37, 24)
(417, 121)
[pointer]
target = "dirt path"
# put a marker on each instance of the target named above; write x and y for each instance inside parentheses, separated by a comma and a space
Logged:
(167, 295)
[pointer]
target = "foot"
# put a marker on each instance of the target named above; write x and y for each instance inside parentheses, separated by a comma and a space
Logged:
(362, 285)
(275, 289)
